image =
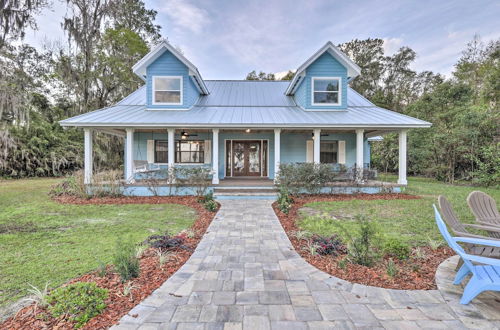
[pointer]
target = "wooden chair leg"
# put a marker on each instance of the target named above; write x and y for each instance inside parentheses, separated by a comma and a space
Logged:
(459, 264)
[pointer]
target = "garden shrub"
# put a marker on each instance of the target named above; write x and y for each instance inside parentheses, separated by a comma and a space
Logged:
(361, 248)
(71, 186)
(284, 200)
(166, 241)
(210, 205)
(397, 248)
(81, 301)
(329, 245)
(209, 196)
(308, 177)
(197, 177)
(125, 260)
(392, 268)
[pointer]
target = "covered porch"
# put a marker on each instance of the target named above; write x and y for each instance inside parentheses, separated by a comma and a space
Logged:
(241, 157)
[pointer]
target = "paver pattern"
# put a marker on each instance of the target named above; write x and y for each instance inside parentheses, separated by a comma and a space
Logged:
(245, 274)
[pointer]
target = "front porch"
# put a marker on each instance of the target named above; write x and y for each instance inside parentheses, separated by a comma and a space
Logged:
(242, 159)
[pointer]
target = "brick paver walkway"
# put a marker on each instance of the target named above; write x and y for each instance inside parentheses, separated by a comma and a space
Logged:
(245, 274)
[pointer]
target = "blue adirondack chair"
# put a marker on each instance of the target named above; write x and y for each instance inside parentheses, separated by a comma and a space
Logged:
(486, 271)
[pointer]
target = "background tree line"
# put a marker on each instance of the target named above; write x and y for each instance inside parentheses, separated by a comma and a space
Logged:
(464, 140)
(106, 37)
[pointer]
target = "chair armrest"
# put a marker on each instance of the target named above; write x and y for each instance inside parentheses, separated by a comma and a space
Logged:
(477, 241)
(462, 234)
(488, 223)
(483, 227)
(483, 260)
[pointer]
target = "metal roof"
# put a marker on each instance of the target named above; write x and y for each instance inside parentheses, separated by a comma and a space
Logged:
(244, 104)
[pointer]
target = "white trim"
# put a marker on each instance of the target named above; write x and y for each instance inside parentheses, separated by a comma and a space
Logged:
(353, 70)
(215, 156)
(243, 125)
(317, 146)
(339, 103)
(247, 139)
(153, 91)
(129, 159)
(360, 135)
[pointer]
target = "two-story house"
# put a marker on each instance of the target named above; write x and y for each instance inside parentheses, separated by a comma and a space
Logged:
(244, 128)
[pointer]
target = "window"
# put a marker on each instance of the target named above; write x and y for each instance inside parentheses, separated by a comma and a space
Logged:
(161, 148)
(328, 152)
(326, 91)
(167, 90)
(190, 151)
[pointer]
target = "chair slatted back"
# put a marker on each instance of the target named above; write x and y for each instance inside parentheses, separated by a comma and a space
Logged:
(449, 216)
(484, 208)
(451, 242)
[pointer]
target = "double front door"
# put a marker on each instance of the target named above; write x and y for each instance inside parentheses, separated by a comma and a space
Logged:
(246, 158)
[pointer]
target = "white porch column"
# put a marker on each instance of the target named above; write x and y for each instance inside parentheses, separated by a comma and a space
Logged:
(277, 151)
(88, 159)
(129, 161)
(317, 146)
(170, 153)
(215, 156)
(359, 147)
(402, 158)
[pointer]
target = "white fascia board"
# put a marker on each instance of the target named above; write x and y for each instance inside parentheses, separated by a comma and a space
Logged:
(266, 126)
(353, 69)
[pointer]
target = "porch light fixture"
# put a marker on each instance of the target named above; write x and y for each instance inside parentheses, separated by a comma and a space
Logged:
(184, 135)
(248, 130)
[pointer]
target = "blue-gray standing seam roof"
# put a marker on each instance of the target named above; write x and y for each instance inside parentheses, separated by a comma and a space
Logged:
(244, 104)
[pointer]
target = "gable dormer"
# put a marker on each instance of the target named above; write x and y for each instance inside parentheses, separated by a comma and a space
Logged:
(172, 81)
(321, 82)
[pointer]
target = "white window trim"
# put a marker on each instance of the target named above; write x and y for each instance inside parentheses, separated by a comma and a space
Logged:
(313, 79)
(168, 103)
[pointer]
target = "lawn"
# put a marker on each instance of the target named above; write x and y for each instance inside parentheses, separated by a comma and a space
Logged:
(411, 221)
(43, 241)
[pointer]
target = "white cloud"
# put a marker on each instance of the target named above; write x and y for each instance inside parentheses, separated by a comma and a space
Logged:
(186, 16)
(391, 45)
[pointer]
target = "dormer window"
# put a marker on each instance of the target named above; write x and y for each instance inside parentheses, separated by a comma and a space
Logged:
(326, 91)
(167, 90)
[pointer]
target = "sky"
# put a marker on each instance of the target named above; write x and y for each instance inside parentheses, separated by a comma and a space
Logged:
(228, 39)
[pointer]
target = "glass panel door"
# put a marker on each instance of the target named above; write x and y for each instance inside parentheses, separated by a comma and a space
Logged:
(238, 158)
(253, 150)
(246, 158)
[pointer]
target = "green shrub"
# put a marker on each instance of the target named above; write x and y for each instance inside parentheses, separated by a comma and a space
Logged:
(197, 177)
(210, 205)
(361, 248)
(392, 269)
(207, 197)
(284, 200)
(308, 177)
(397, 248)
(70, 186)
(125, 260)
(81, 301)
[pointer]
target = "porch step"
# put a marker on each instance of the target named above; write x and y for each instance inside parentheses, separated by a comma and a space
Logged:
(245, 193)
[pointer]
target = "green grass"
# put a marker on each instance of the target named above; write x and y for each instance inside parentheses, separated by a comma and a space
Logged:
(41, 240)
(410, 220)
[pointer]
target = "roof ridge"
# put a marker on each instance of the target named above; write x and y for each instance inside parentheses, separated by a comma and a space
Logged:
(245, 80)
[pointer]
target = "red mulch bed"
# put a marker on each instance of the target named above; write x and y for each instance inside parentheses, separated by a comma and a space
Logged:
(151, 277)
(413, 274)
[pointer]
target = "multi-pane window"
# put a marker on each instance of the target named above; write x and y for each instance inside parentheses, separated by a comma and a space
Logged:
(190, 152)
(167, 90)
(328, 153)
(326, 91)
(161, 153)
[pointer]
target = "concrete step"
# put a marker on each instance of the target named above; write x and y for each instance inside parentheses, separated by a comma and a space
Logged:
(245, 190)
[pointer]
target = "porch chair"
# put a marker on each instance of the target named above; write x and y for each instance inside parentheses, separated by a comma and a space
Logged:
(459, 229)
(485, 274)
(142, 166)
(485, 209)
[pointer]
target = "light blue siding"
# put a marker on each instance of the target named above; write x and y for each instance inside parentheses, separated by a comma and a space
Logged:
(293, 146)
(325, 66)
(168, 65)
